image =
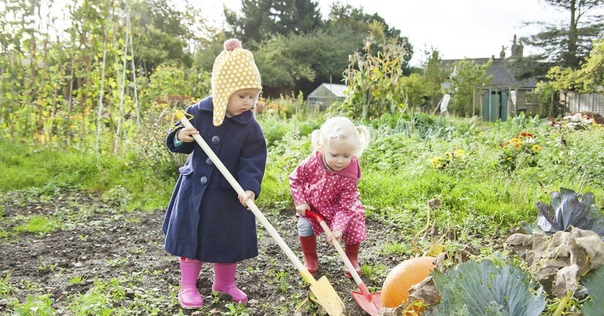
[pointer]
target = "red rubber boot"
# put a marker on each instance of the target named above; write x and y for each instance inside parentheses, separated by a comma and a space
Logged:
(309, 248)
(352, 252)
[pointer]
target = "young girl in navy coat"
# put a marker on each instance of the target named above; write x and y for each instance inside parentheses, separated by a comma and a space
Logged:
(206, 220)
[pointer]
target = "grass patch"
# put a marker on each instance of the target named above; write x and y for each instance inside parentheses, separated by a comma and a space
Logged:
(468, 165)
(39, 225)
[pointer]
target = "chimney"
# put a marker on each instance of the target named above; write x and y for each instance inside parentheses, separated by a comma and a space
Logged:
(517, 49)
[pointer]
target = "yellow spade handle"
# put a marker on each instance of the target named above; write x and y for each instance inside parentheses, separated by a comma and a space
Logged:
(180, 115)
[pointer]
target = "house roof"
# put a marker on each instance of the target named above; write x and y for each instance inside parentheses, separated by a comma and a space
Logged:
(329, 89)
(503, 75)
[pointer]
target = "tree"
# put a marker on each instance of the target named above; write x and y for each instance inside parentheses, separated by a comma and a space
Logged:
(567, 45)
(467, 77)
(326, 53)
(296, 16)
(587, 79)
(160, 34)
(251, 27)
(346, 17)
(434, 76)
(263, 19)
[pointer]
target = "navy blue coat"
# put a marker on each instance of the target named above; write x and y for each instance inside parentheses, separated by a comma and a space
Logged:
(204, 219)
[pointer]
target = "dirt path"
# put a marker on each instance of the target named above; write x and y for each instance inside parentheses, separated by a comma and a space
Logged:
(96, 243)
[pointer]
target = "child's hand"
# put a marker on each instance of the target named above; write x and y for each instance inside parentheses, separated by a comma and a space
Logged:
(301, 209)
(249, 195)
(185, 134)
(336, 234)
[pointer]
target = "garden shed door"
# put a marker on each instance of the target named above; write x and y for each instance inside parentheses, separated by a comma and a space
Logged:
(495, 105)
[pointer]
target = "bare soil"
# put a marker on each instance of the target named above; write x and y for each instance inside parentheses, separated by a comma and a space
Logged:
(95, 241)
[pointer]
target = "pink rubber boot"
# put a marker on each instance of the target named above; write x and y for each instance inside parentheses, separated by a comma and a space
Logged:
(188, 295)
(224, 281)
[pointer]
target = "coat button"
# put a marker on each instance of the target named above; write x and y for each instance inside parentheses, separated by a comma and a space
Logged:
(209, 161)
(215, 140)
(203, 180)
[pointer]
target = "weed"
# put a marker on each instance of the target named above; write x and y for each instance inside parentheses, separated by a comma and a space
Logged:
(396, 248)
(77, 280)
(5, 287)
(40, 305)
(138, 250)
(117, 196)
(39, 225)
(373, 272)
(282, 278)
(98, 300)
(118, 262)
(236, 309)
(47, 267)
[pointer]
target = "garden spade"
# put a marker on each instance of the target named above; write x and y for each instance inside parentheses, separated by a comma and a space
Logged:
(322, 289)
(370, 303)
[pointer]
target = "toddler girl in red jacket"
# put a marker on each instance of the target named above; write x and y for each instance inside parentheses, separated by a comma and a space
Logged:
(326, 182)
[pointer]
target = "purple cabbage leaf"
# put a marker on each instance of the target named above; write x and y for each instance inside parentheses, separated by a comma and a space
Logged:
(569, 208)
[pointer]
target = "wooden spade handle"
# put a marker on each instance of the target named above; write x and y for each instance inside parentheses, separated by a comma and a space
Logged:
(180, 115)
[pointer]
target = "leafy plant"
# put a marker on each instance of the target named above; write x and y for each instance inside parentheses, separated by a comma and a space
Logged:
(99, 299)
(482, 288)
(35, 306)
(117, 196)
(373, 79)
(569, 208)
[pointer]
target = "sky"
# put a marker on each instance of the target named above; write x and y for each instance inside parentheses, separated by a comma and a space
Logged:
(456, 28)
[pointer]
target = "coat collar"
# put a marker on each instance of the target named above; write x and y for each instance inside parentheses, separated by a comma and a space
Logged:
(353, 170)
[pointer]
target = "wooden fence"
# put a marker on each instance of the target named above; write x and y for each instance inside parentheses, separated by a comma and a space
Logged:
(581, 102)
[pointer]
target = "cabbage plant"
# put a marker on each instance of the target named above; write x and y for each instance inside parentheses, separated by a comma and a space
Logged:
(567, 209)
(482, 288)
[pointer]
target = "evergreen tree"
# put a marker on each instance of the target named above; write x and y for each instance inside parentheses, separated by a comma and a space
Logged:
(567, 45)
(263, 19)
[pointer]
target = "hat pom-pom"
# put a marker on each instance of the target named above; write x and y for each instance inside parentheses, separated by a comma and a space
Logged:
(231, 44)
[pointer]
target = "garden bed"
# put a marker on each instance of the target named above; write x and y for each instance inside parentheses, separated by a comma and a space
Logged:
(99, 258)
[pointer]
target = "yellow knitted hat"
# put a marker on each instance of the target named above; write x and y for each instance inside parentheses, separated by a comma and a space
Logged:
(234, 69)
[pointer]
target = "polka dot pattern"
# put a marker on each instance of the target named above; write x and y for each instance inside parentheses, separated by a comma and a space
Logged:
(334, 195)
(233, 70)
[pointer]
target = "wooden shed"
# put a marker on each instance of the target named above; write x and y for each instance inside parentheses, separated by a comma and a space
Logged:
(326, 94)
(506, 95)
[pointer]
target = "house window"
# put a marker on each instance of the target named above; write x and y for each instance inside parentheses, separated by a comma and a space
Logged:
(531, 98)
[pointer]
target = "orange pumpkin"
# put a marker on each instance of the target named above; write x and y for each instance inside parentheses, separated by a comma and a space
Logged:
(400, 279)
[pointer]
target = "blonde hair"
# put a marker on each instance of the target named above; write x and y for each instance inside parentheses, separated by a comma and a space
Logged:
(341, 129)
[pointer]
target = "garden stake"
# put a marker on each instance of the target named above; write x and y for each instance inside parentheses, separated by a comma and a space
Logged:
(322, 289)
(370, 303)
